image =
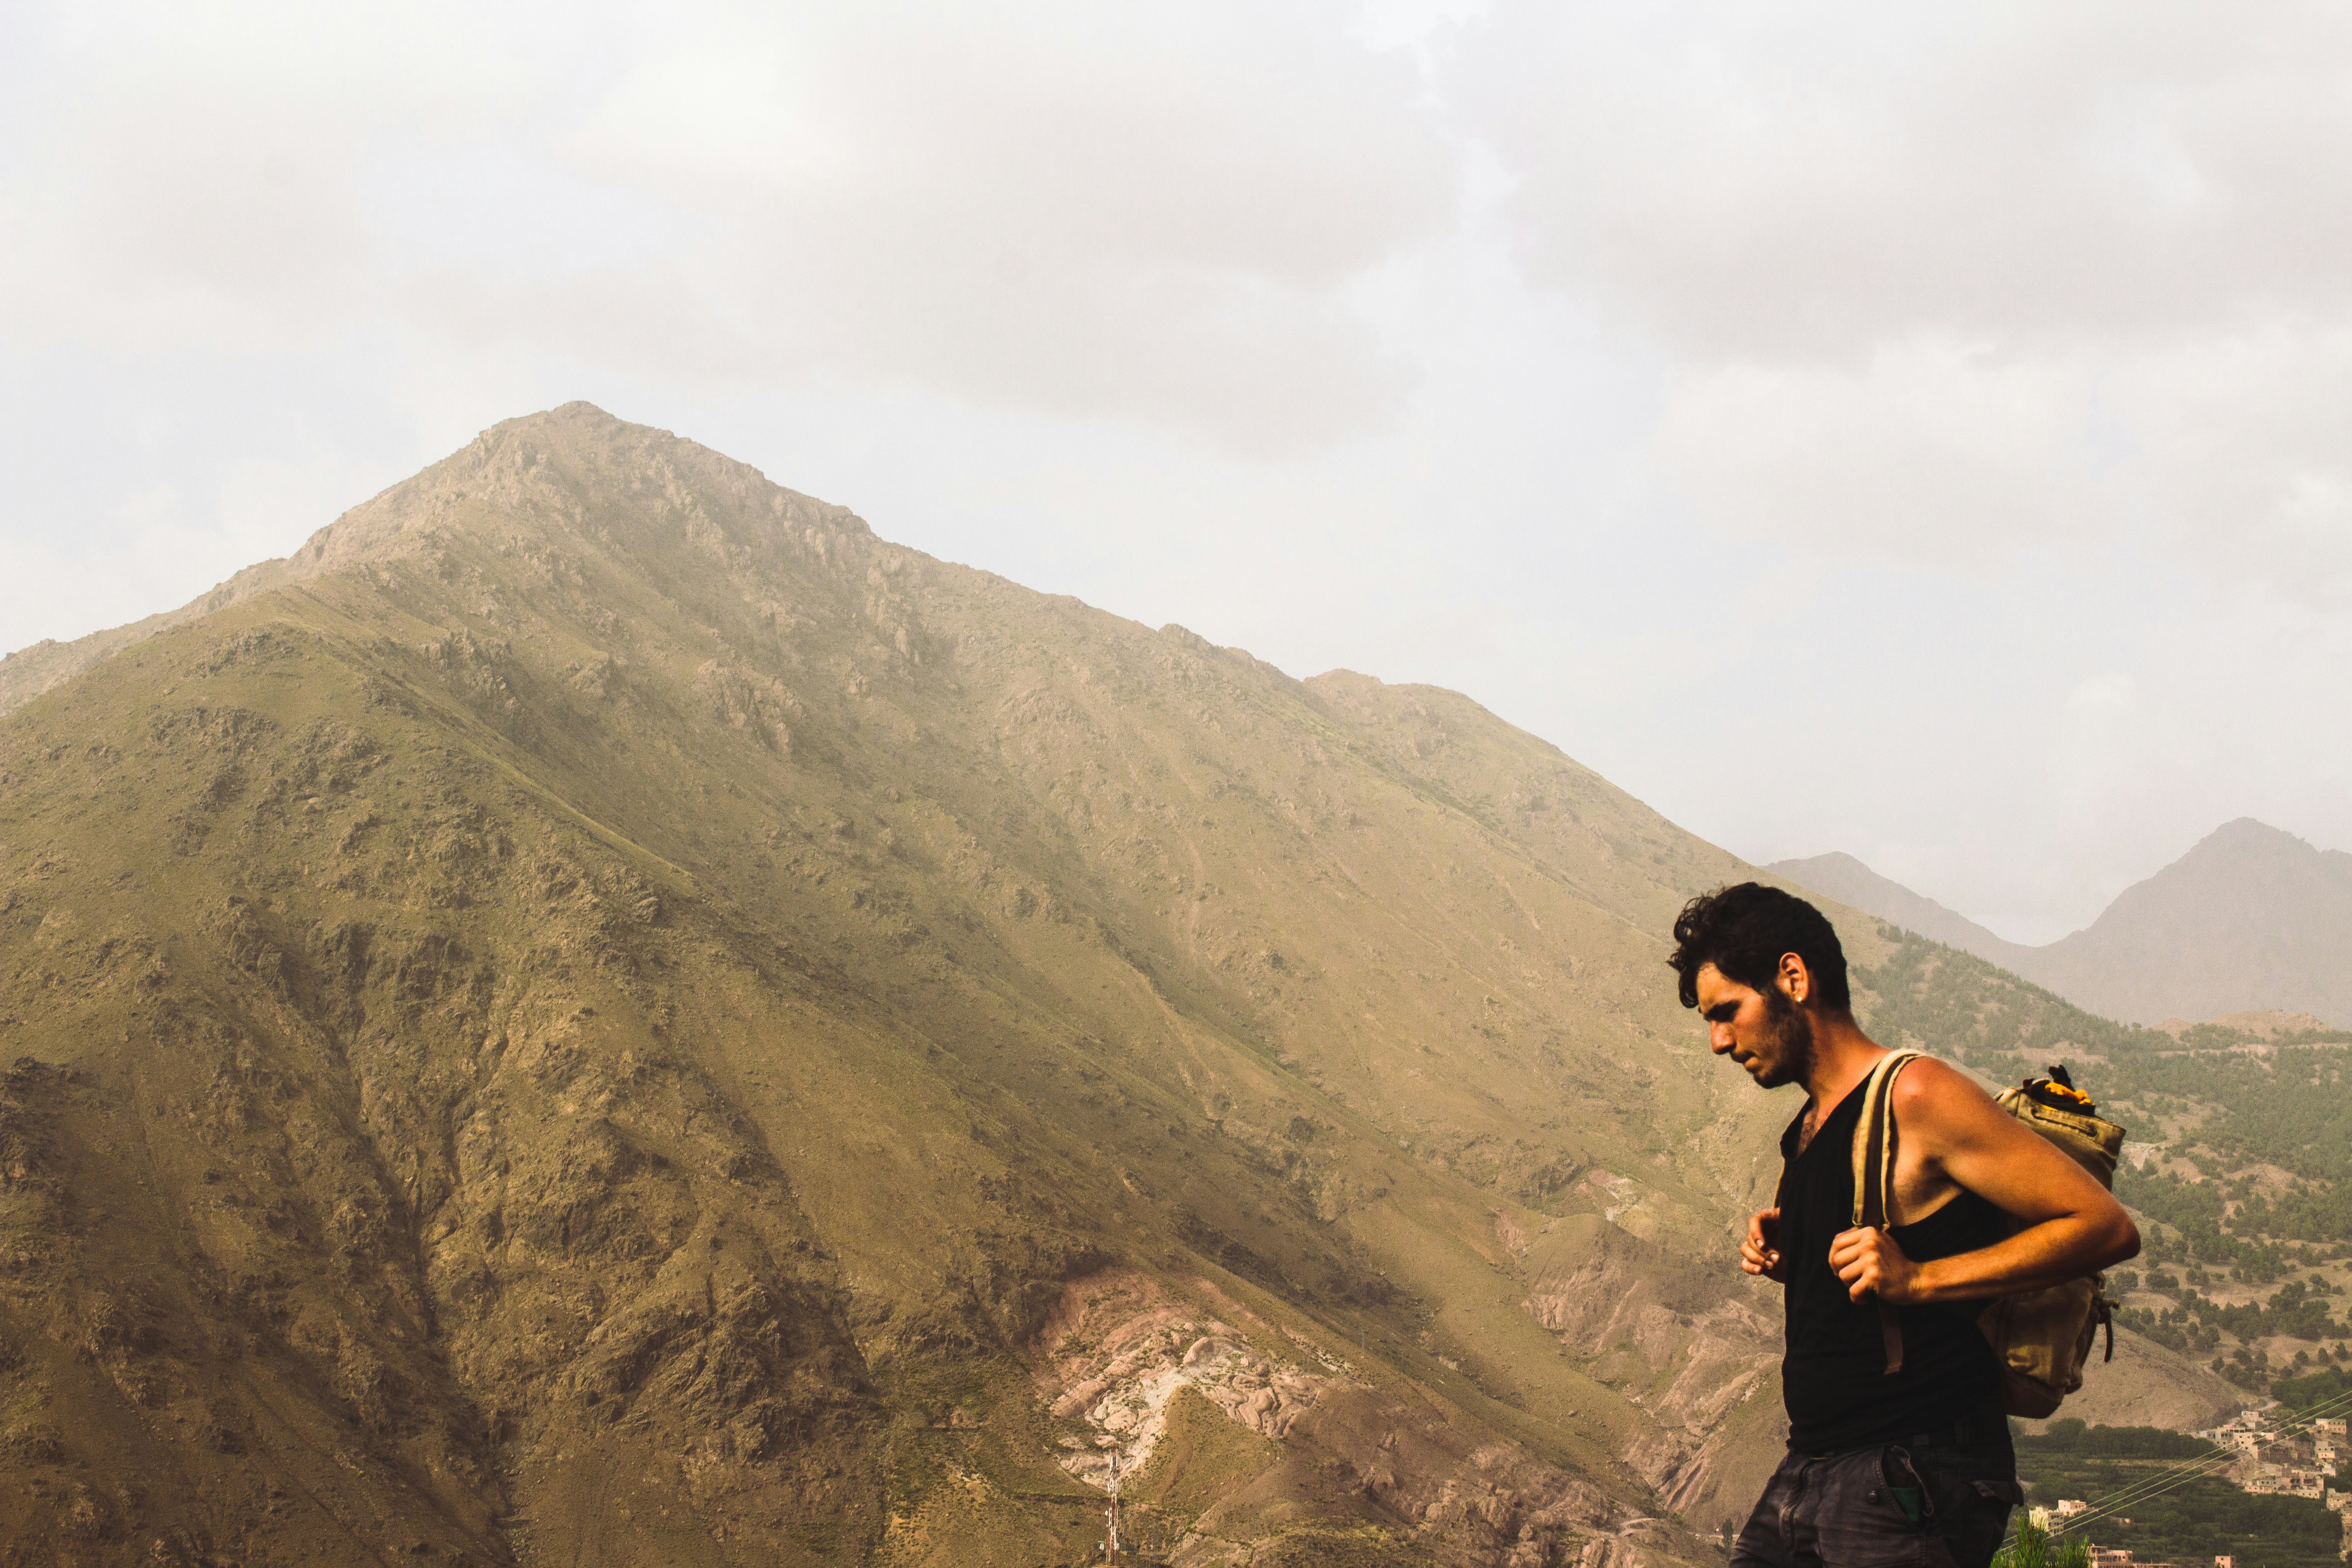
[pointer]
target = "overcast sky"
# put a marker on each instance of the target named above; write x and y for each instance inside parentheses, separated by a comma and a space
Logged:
(1920, 431)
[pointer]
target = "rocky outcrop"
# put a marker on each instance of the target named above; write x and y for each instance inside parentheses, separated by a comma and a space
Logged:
(1119, 1347)
(1693, 1347)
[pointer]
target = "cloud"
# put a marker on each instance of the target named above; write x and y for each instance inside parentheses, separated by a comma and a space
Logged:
(1109, 211)
(1808, 180)
(1944, 286)
(1934, 453)
(1783, 411)
(2221, 453)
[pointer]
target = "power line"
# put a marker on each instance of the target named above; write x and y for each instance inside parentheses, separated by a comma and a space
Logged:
(2165, 1481)
(2149, 1487)
(2152, 1487)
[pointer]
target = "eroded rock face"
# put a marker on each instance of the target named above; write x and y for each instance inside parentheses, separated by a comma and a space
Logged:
(1119, 1347)
(1703, 1346)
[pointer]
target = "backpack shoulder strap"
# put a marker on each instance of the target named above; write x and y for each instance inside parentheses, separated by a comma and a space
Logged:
(1873, 1177)
(1874, 1141)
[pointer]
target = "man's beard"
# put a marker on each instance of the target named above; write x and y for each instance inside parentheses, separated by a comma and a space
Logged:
(1789, 1055)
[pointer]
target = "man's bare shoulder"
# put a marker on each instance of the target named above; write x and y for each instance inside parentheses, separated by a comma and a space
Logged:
(1933, 1093)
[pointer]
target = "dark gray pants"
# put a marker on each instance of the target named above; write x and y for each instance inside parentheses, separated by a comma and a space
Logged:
(1892, 1507)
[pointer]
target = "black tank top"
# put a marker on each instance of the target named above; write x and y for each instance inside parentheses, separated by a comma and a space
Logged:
(1834, 1376)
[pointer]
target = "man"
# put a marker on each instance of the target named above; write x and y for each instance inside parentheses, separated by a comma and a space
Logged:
(1912, 1467)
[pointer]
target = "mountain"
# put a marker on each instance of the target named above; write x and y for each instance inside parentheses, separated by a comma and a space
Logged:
(1849, 881)
(29, 671)
(2252, 919)
(602, 1012)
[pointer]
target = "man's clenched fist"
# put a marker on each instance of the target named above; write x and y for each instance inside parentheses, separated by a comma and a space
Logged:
(1870, 1263)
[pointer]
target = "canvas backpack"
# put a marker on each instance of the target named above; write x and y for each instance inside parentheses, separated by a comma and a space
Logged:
(2042, 1338)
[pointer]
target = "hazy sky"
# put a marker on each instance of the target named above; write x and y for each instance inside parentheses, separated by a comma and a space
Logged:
(1920, 431)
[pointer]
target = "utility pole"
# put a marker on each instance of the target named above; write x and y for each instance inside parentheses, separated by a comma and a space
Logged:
(1110, 1514)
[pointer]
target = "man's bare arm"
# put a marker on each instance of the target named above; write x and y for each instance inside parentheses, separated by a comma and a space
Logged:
(2070, 1226)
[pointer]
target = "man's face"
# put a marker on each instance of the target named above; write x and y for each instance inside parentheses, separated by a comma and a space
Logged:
(1763, 1031)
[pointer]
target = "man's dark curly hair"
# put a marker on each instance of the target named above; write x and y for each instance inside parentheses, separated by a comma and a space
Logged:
(1744, 929)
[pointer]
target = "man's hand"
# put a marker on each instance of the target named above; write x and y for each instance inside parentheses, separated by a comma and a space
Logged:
(1757, 1255)
(1869, 1262)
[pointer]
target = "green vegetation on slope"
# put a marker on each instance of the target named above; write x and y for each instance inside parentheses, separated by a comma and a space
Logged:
(2311, 1389)
(2252, 1138)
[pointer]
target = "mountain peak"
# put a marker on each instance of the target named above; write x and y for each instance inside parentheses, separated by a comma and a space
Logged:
(544, 472)
(2248, 832)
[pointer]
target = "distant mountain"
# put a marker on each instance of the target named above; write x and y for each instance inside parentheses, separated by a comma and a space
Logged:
(2252, 919)
(1848, 880)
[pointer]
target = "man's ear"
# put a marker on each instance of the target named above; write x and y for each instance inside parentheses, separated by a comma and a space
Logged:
(1795, 980)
